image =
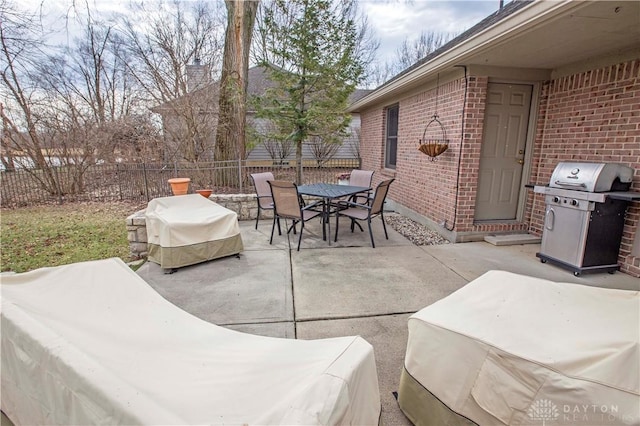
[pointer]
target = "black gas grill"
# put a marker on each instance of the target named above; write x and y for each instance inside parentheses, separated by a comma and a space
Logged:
(584, 215)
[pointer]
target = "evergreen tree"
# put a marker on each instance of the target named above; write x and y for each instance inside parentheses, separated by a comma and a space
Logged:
(310, 48)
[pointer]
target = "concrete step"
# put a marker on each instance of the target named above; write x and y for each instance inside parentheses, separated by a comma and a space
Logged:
(512, 239)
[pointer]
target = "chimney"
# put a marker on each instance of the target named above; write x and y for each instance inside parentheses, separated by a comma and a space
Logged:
(197, 75)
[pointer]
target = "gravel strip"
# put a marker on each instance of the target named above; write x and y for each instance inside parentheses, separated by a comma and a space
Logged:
(418, 234)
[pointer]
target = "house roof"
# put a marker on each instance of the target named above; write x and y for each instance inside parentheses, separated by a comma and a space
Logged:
(537, 34)
(358, 94)
(258, 82)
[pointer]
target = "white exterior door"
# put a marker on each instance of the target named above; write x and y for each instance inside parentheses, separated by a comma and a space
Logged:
(502, 155)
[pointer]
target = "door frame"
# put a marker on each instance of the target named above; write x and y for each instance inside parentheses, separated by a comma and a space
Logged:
(529, 145)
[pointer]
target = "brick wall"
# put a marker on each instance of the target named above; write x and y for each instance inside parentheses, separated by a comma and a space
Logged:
(372, 151)
(591, 116)
(422, 185)
(425, 186)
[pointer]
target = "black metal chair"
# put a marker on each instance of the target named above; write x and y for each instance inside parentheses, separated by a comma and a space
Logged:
(356, 211)
(288, 204)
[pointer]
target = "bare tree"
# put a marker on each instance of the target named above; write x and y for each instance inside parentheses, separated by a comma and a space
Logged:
(324, 148)
(131, 138)
(407, 54)
(264, 132)
(353, 142)
(411, 51)
(21, 39)
(63, 104)
(177, 45)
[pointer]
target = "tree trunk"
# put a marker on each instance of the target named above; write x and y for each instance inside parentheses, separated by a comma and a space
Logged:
(6, 151)
(299, 162)
(230, 134)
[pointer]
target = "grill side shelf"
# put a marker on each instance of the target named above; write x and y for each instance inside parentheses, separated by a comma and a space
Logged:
(627, 196)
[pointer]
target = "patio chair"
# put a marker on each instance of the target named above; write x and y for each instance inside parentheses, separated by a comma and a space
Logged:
(366, 211)
(357, 177)
(288, 204)
(361, 178)
(263, 192)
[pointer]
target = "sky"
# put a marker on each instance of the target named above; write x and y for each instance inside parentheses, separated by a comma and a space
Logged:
(392, 20)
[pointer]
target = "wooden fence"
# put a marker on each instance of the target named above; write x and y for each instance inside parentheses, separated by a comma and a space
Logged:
(143, 182)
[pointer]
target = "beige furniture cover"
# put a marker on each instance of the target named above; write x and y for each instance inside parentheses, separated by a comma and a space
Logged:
(517, 350)
(188, 229)
(92, 343)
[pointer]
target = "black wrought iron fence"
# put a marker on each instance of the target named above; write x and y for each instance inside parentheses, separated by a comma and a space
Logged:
(143, 182)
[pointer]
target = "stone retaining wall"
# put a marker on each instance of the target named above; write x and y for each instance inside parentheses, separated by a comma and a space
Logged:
(245, 206)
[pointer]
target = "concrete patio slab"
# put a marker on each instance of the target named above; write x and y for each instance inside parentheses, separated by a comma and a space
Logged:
(312, 236)
(346, 288)
(254, 288)
(352, 282)
(470, 260)
(388, 336)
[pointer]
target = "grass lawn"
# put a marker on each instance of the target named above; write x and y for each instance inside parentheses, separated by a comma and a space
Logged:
(53, 235)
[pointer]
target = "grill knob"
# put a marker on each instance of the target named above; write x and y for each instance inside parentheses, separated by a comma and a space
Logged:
(574, 202)
(556, 199)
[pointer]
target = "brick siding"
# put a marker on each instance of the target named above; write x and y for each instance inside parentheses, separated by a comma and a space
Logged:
(590, 116)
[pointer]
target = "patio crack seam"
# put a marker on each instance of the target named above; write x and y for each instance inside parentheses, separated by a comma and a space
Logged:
(293, 297)
(343, 317)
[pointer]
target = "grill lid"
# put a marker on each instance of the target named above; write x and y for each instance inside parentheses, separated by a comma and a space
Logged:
(592, 177)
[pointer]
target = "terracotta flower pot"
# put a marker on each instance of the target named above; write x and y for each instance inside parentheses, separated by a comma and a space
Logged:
(179, 186)
(204, 192)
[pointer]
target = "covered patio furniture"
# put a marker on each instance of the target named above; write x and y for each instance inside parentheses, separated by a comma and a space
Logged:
(188, 229)
(509, 349)
(93, 343)
(263, 193)
(288, 204)
(366, 211)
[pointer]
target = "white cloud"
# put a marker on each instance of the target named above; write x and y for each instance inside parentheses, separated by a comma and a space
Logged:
(394, 21)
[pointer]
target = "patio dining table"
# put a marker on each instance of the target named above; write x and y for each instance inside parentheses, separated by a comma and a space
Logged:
(328, 192)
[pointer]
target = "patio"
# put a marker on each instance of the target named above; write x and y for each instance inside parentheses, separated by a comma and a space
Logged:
(346, 288)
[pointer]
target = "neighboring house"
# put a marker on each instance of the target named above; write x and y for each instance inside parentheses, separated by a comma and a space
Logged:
(189, 121)
(536, 83)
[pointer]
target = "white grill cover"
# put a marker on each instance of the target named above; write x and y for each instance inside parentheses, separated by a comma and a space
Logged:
(92, 343)
(188, 229)
(512, 349)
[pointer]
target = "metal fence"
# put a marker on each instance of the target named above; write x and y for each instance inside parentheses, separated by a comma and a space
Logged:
(143, 182)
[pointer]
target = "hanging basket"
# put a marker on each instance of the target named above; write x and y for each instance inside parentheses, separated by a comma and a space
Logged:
(434, 147)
